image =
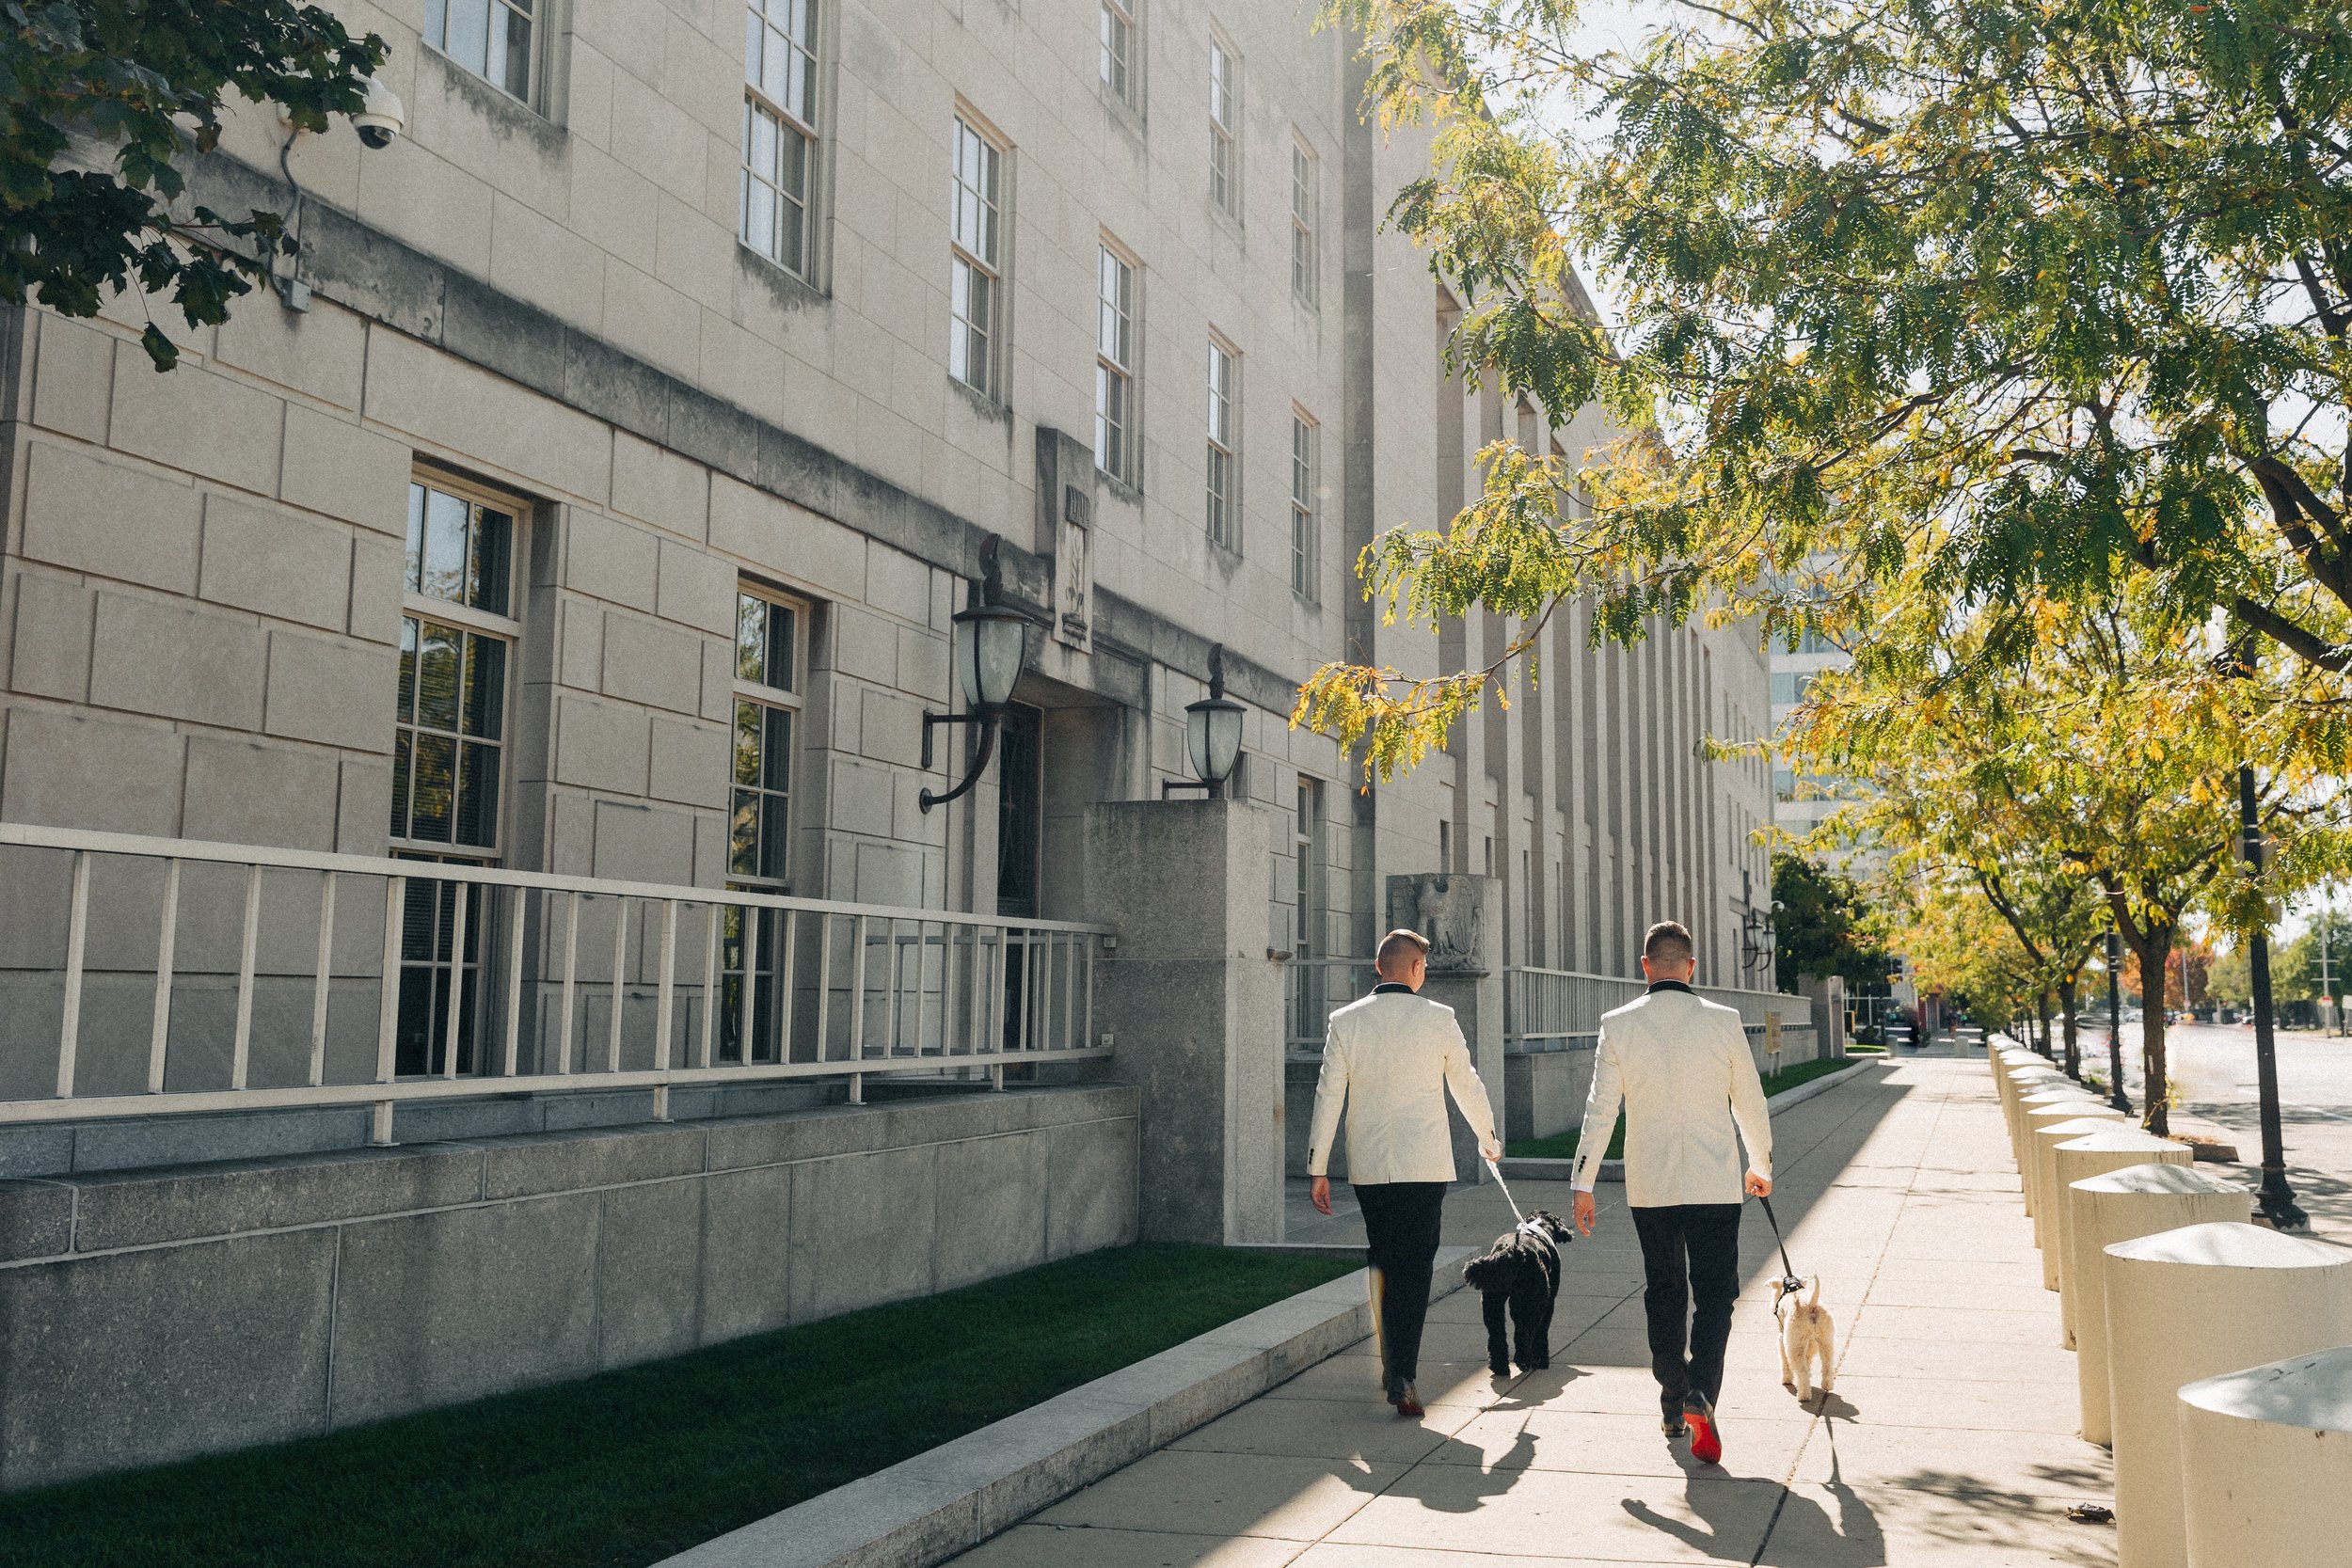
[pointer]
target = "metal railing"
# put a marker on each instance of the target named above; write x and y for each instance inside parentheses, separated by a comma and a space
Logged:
(1560, 1009)
(171, 975)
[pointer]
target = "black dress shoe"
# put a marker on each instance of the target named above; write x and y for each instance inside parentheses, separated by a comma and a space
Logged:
(1673, 1427)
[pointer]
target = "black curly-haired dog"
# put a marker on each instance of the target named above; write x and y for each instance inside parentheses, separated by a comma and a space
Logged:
(1520, 1275)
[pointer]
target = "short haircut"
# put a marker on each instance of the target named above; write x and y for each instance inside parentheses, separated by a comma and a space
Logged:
(1398, 944)
(1668, 942)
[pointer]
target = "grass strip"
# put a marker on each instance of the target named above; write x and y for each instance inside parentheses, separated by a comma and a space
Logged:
(627, 1468)
(1562, 1146)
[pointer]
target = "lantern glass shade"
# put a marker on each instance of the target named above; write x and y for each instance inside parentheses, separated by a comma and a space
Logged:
(1213, 735)
(992, 645)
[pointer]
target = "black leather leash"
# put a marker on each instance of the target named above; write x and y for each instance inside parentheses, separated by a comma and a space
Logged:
(1789, 1270)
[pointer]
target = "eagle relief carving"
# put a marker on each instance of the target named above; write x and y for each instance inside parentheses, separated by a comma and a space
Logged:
(1450, 910)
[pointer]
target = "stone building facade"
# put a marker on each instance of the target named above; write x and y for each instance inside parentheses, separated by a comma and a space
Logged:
(596, 496)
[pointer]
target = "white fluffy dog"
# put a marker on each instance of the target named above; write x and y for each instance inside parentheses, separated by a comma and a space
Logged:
(1807, 1335)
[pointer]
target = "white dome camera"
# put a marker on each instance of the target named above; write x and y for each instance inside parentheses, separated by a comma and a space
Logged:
(382, 116)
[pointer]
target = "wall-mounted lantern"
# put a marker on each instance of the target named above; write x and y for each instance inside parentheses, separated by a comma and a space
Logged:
(992, 648)
(1211, 734)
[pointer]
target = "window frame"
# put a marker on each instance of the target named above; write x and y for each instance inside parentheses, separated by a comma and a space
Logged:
(507, 629)
(1222, 512)
(1224, 129)
(1306, 183)
(1306, 512)
(1124, 465)
(1120, 73)
(758, 103)
(991, 267)
(535, 51)
(793, 700)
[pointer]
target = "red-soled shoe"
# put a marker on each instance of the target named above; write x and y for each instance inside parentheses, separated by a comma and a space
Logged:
(1707, 1439)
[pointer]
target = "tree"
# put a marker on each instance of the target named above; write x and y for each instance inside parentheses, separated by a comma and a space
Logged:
(2028, 298)
(139, 86)
(1819, 921)
(2103, 749)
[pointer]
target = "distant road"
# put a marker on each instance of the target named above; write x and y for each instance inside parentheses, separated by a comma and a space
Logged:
(2213, 1067)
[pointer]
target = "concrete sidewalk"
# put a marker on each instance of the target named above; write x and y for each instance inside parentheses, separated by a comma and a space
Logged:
(1950, 1440)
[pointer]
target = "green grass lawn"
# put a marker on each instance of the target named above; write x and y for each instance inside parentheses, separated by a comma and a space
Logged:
(627, 1468)
(1562, 1146)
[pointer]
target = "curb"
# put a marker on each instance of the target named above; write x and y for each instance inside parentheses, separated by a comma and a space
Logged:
(1614, 1170)
(924, 1510)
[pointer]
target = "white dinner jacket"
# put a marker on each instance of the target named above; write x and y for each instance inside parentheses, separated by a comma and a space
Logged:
(1680, 1067)
(1390, 1059)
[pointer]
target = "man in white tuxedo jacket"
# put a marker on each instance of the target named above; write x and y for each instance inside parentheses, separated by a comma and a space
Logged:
(1680, 1067)
(1389, 1060)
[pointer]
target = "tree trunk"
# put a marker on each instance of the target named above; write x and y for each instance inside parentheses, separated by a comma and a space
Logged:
(2042, 1005)
(2073, 1045)
(2153, 960)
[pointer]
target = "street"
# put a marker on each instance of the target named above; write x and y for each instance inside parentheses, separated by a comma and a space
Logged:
(2212, 1068)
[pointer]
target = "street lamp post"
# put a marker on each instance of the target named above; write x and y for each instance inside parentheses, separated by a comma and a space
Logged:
(2276, 1203)
(2116, 1097)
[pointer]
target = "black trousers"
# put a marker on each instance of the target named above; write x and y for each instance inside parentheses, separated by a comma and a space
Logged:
(1401, 1244)
(1691, 1257)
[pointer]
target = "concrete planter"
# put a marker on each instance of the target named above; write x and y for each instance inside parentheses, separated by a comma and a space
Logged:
(2266, 1464)
(2192, 1304)
(2138, 1200)
(2044, 1133)
(2073, 1161)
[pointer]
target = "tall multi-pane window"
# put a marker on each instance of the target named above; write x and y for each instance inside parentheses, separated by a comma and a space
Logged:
(1303, 535)
(972, 259)
(1119, 48)
(1222, 148)
(456, 638)
(768, 671)
(489, 37)
(767, 702)
(1224, 470)
(779, 128)
(1114, 366)
(448, 737)
(1302, 224)
(1307, 907)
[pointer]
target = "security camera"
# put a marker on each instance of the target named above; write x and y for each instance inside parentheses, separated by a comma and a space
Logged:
(382, 116)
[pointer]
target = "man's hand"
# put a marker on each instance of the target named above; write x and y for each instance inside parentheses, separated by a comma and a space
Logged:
(1491, 1150)
(1319, 1193)
(1759, 1186)
(1587, 1211)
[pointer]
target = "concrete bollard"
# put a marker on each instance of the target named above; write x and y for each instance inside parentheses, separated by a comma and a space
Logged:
(2077, 1117)
(2093, 1154)
(2191, 1304)
(2021, 1081)
(2018, 1146)
(2266, 1464)
(2138, 1200)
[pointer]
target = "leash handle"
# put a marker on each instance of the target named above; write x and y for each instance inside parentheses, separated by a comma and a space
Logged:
(1506, 1193)
(1789, 1270)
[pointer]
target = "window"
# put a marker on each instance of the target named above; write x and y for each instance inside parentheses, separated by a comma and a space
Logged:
(972, 266)
(779, 128)
(449, 735)
(489, 37)
(1114, 368)
(1302, 224)
(1224, 471)
(1307, 933)
(456, 640)
(768, 666)
(1303, 540)
(1119, 49)
(1222, 148)
(767, 702)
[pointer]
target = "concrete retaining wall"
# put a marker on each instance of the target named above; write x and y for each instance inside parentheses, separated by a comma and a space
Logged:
(153, 1315)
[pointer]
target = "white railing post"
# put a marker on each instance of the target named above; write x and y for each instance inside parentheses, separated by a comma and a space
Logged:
(571, 979)
(620, 983)
(710, 987)
(323, 979)
(388, 999)
(514, 982)
(166, 952)
(241, 1051)
(456, 986)
(76, 941)
(664, 996)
